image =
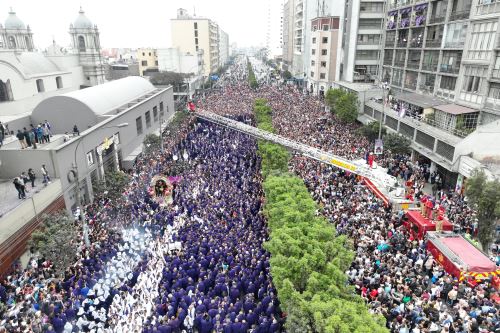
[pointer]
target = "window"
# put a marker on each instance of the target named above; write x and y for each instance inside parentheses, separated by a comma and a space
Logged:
(59, 83)
(313, 51)
(370, 23)
(196, 41)
(312, 74)
(196, 48)
(322, 76)
(313, 62)
(90, 159)
(156, 62)
(39, 85)
(196, 33)
(148, 119)
(196, 25)
(155, 114)
(325, 40)
(370, 39)
(455, 36)
(473, 78)
(448, 82)
(324, 52)
(81, 43)
(138, 125)
(326, 27)
(162, 113)
(12, 42)
(494, 91)
(314, 40)
(371, 7)
(144, 63)
(150, 54)
(323, 64)
(143, 54)
(482, 40)
(451, 62)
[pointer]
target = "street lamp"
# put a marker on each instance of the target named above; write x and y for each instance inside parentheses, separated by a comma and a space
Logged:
(385, 88)
(78, 194)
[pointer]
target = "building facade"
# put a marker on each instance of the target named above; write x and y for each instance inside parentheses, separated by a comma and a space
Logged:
(147, 60)
(324, 65)
(362, 40)
(223, 47)
(28, 76)
(86, 43)
(287, 34)
(190, 34)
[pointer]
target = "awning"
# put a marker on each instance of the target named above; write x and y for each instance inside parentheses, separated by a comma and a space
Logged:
(455, 109)
(405, 10)
(421, 7)
(392, 13)
(423, 101)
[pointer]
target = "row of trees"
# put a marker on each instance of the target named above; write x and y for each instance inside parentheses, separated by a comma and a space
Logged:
(393, 142)
(484, 196)
(343, 104)
(308, 260)
(252, 80)
(274, 157)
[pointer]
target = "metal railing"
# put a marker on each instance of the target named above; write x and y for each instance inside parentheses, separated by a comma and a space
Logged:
(462, 15)
(433, 43)
(436, 19)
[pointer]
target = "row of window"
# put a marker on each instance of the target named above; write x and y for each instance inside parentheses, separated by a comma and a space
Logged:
(147, 116)
(321, 75)
(323, 51)
(323, 63)
(324, 40)
(40, 86)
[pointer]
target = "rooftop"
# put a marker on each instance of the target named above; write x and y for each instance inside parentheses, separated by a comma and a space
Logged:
(423, 101)
(357, 86)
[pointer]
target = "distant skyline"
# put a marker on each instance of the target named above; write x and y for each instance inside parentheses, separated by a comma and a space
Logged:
(144, 24)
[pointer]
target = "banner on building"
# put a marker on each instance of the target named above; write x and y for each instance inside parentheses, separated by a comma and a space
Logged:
(379, 147)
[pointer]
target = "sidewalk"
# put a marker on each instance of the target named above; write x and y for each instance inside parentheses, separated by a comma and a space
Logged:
(8, 195)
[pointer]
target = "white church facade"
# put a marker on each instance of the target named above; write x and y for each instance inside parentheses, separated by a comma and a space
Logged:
(28, 76)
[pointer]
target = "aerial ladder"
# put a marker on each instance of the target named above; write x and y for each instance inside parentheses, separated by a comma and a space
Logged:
(383, 185)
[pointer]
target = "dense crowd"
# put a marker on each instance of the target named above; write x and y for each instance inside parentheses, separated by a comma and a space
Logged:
(198, 264)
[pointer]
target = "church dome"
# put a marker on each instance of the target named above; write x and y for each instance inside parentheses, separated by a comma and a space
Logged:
(82, 21)
(14, 22)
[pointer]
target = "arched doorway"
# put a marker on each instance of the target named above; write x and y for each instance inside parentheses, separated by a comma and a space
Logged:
(5, 91)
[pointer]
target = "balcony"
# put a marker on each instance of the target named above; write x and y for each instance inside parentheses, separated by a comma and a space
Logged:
(436, 19)
(388, 60)
(412, 84)
(455, 16)
(485, 9)
(404, 23)
(389, 42)
(435, 43)
(426, 88)
(402, 43)
(413, 64)
(454, 45)
(391, 25)
(496, 74)
(419, 20)
(445, 68)
(432, 67)
(399, 63)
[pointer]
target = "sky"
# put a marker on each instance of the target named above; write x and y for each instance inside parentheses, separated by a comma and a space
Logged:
(145, 23)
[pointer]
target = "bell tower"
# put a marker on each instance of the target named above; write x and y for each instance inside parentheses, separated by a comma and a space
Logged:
(85, 40)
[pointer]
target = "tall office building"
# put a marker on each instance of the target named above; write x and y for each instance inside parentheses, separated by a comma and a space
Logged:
(191, 33)
(361, 40)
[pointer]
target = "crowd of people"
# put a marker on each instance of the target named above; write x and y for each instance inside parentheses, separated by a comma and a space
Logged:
(198, 265)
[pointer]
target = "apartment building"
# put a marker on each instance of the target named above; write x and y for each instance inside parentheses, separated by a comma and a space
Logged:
(441, 60)
(362, 40)
(191, 33)
(287, 34)
(223, 47)
(324, 65)
(147, 60)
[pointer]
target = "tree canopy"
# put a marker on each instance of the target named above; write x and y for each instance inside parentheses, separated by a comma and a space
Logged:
(113, 185)
(168, 78)
(370, 130)
(397, 143)
(56, 240)
(343, 104)
(484, 195)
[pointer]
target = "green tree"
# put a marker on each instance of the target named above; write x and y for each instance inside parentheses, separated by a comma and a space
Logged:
(168, 78)
(151, 143)
(287, 75)
(484, 195)
(370, 130)
(346, 108)
(113, 186)
(397, 143)
(332, 96)
(57, 239)
(308, 262)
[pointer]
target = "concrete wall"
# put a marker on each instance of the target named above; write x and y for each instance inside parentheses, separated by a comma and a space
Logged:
(15, 161)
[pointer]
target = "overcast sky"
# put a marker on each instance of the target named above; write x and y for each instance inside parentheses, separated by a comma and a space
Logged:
(144, 23)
